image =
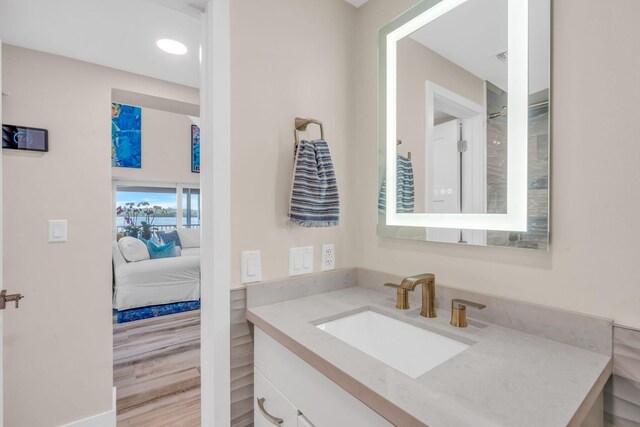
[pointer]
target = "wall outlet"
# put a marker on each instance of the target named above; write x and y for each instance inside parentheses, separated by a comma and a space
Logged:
(251, 267)
(328, 257)
(300, 261)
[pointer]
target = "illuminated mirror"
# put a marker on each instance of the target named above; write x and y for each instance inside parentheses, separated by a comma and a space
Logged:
(464, 123)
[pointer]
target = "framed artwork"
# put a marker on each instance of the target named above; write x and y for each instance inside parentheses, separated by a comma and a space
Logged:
(126, 136)
(195, 149)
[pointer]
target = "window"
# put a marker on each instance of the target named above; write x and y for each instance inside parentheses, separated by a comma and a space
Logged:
(190, 207)
(164, 207)
(154, 205)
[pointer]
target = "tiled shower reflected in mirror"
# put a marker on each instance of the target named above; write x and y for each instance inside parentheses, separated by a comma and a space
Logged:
(538, 169)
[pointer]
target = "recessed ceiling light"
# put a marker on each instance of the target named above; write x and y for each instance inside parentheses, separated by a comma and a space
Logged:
(172, 46)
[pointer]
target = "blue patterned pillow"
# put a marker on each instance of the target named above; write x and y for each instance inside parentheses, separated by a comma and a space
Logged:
(161, 251)
(171, 236)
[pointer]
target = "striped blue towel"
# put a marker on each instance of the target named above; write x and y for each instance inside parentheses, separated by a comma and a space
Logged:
(314, 191)
(404, 184)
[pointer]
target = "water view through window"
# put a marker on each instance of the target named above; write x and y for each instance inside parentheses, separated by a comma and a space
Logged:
(162, 207)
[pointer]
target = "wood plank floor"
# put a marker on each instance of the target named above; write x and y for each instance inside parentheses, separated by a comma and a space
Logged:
(156, 369)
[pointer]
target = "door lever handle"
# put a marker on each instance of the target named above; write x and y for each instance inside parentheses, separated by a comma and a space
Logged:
(4, 298)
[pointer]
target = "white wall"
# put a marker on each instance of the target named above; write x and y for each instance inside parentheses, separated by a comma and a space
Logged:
(289, 58)
(593, 266)
(58, 345)
(166, 149)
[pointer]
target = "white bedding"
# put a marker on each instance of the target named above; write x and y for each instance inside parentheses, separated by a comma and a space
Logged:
(156, 281)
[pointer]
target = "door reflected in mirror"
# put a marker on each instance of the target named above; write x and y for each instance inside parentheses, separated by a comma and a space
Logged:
(452, 123)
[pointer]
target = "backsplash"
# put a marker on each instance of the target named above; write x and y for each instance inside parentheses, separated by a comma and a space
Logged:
(581, 330)
(274, 291)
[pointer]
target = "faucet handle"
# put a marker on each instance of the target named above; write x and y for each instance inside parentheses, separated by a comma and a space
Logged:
(459, 311)
(402, 297)
(462, 303)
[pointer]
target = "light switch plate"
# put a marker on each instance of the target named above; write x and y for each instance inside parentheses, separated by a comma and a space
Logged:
(57, 230)
(251, 267)
(328, 257)
(300, 261)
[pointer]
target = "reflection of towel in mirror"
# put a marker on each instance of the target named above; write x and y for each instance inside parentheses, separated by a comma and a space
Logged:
(404, 184)
(314, 191)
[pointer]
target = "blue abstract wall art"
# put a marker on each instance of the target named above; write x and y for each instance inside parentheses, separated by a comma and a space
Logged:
(126, 136)
(195, 149)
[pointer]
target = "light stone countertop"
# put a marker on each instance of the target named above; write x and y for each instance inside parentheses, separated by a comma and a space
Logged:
(506, 378)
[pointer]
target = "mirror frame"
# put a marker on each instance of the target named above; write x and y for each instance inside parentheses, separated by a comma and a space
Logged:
(518, 98)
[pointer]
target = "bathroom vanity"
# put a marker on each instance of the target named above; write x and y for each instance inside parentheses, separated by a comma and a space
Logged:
(464, 100)
(344, 355)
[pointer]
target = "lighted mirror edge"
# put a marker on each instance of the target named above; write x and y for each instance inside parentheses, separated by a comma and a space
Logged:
(518, 77)
(466, 221)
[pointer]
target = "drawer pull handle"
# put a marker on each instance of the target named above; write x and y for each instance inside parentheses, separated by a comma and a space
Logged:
(273, 420)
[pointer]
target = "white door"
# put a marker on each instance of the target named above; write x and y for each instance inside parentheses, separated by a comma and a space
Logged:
(7, 301)
(1, 269)
(443, 186)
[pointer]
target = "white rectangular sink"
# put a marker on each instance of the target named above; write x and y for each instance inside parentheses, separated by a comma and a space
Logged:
(407, 348)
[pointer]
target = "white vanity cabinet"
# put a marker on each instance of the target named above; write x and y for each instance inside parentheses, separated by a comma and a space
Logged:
(271, 407)
(270, 401)
(300, 395)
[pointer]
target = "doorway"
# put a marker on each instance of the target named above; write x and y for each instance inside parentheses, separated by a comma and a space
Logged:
(455, 161)
(70, 281)
(156, 256)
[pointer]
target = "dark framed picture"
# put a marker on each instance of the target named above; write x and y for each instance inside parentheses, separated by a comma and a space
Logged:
(195, 149)
(25, 138)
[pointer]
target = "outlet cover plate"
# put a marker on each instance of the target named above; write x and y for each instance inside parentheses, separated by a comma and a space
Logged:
(328, 257)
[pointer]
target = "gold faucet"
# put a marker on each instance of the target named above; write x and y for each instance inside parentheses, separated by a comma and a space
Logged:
(428, 282)
(459, 311)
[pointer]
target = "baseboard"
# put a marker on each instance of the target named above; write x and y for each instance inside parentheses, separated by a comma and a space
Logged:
(105, 419)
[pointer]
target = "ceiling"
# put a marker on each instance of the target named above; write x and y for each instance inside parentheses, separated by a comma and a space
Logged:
(120, 34)
(472, 34)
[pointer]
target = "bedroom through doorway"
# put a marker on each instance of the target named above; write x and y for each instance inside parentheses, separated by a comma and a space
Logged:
(156, 255)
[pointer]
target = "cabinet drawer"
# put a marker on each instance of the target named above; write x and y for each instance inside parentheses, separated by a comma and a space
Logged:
(318, 398)
(274, 406)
